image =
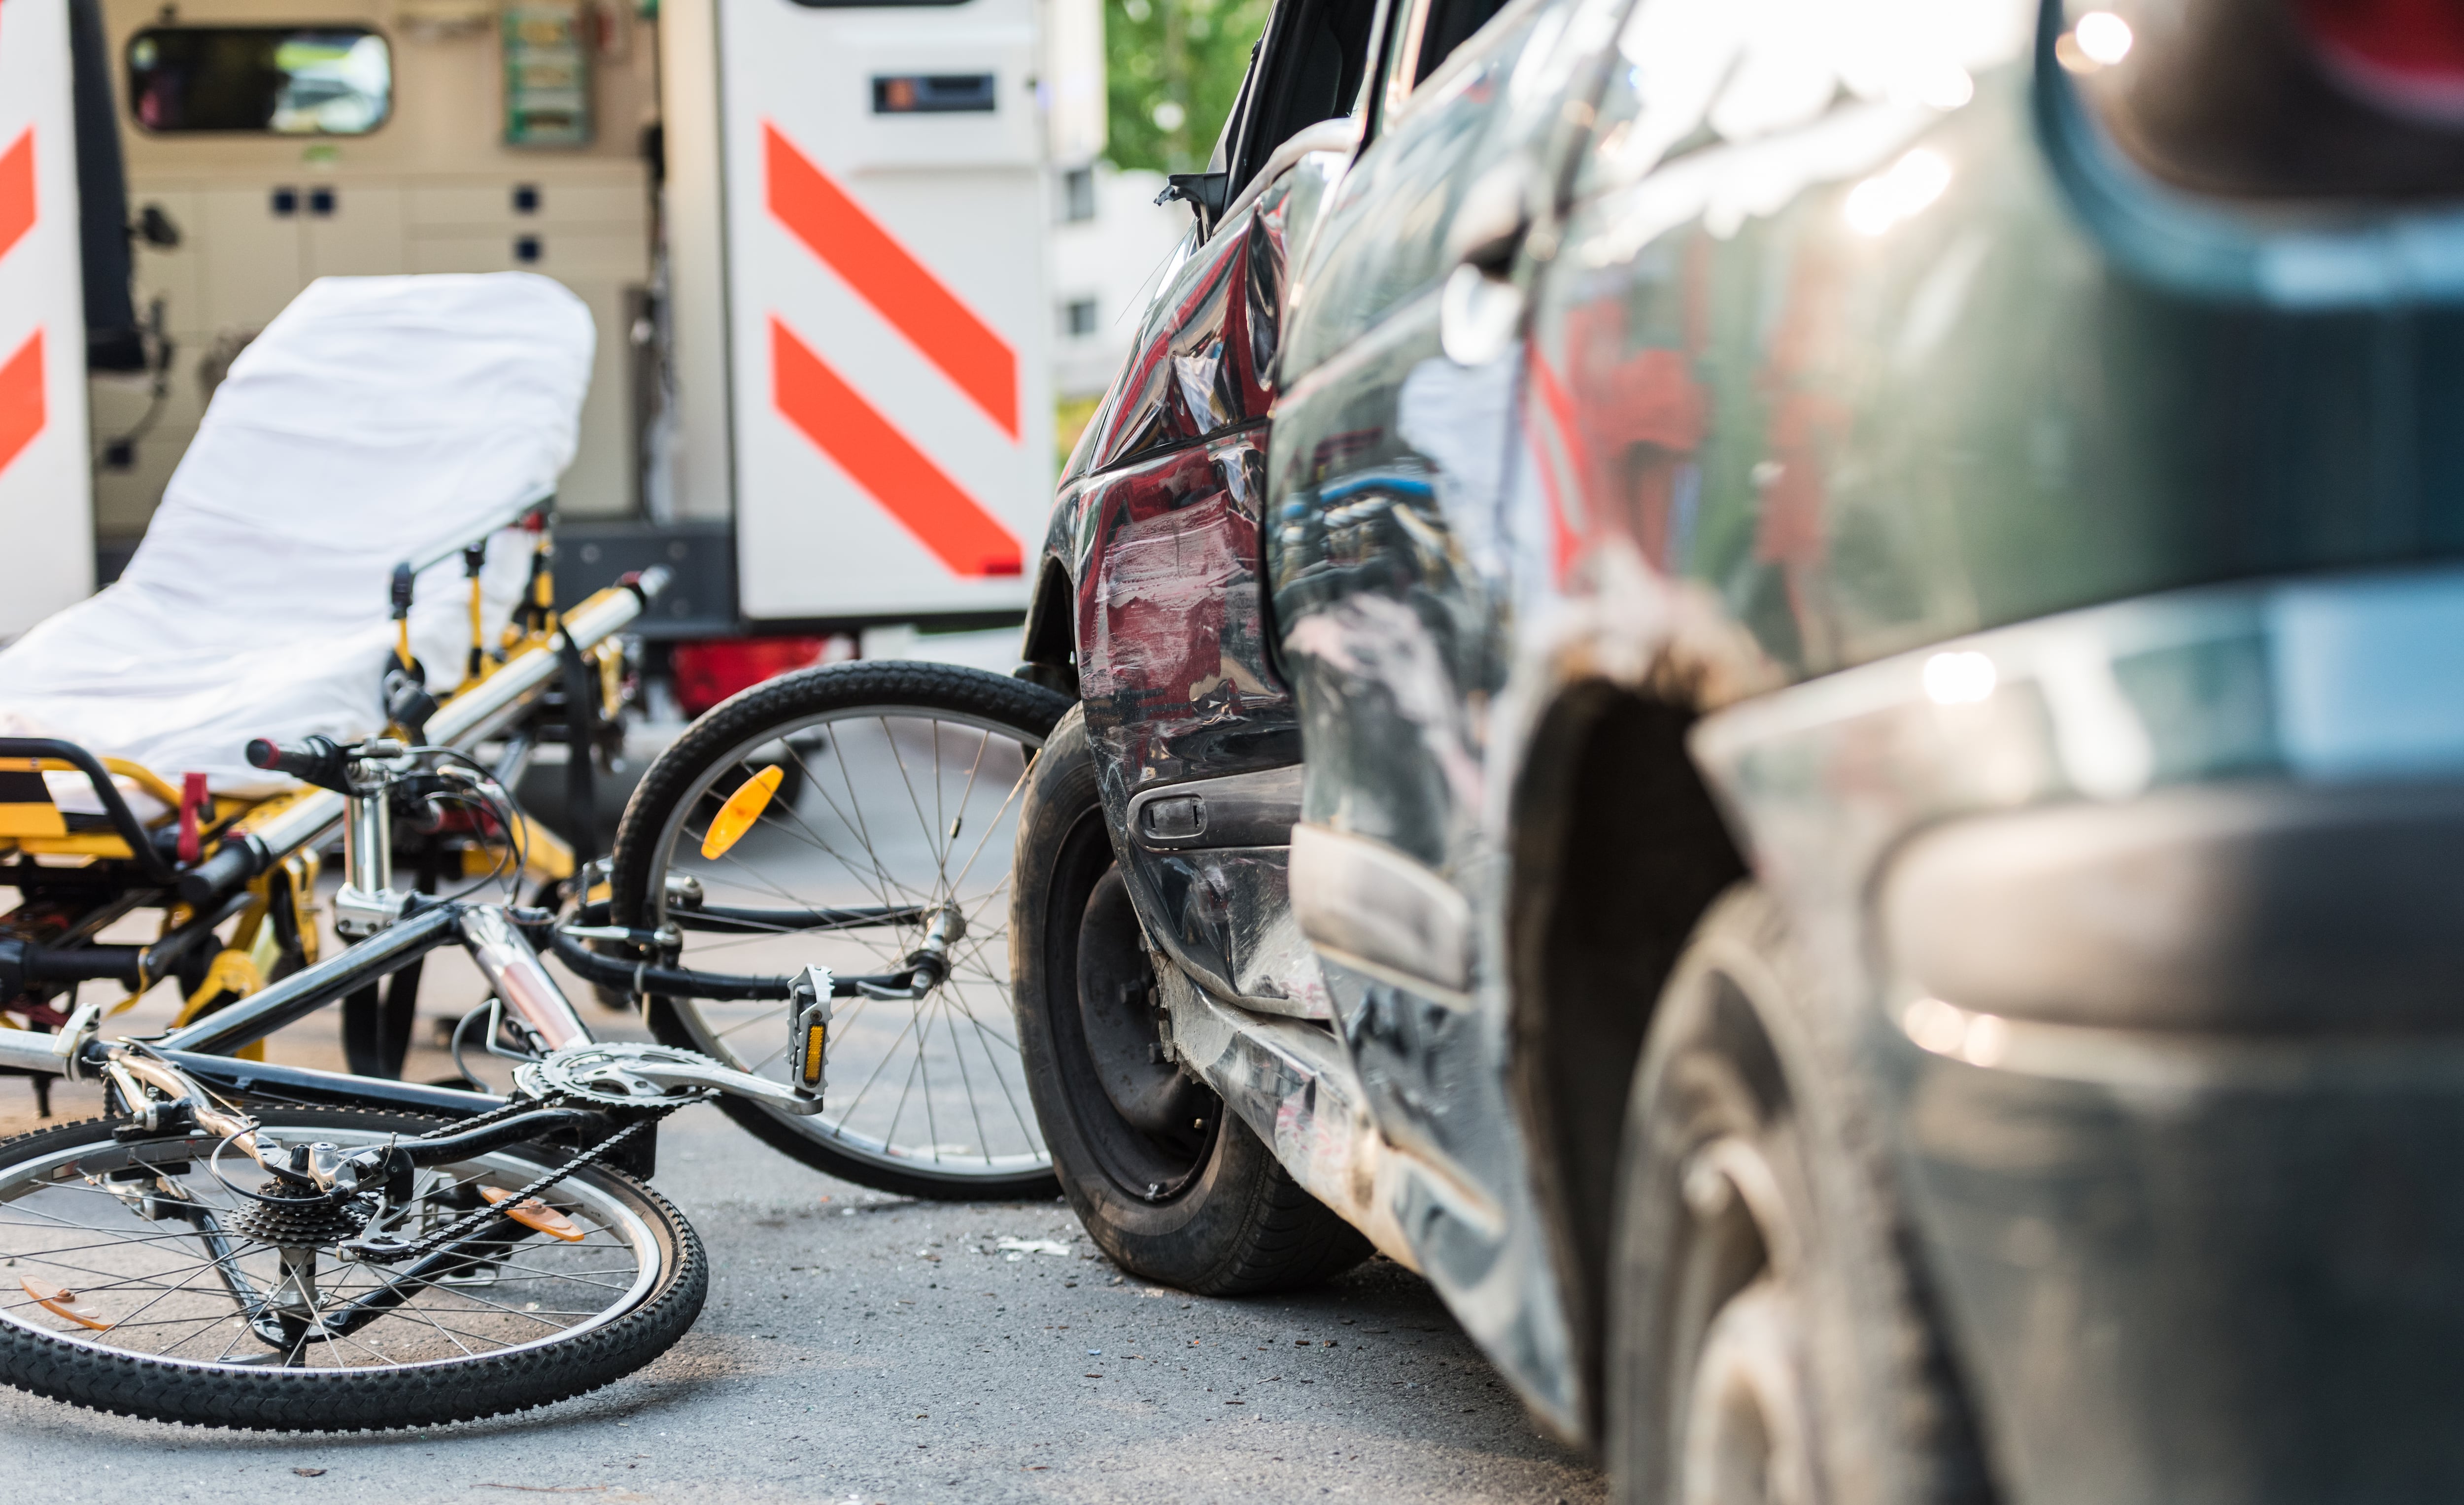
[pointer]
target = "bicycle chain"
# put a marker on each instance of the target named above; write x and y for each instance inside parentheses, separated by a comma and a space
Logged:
(520, 1105)
(477, 1218)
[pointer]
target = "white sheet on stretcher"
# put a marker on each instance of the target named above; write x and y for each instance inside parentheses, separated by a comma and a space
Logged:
(375, 420)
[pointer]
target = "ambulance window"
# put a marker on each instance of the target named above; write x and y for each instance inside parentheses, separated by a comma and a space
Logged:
(289, 81)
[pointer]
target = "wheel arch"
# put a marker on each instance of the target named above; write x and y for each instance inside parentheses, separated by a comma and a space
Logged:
(1618, 850)
(1050, 646)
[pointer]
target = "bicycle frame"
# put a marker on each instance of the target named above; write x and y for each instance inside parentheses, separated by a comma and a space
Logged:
(597, 1095)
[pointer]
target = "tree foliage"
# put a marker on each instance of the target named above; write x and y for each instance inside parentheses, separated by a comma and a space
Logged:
(1173, 67)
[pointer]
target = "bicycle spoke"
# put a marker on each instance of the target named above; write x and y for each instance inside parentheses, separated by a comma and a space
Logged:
(961, 782)
(942, 873)
(892, 1137)
(984, 1141)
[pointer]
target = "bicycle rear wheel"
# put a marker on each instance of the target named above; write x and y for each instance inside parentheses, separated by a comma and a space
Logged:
(137, 1282)
(894, 796)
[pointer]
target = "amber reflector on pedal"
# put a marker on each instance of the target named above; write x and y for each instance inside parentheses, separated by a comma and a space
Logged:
(816, 1036)
(61, 1301)
(742, 808)
(534, 1215)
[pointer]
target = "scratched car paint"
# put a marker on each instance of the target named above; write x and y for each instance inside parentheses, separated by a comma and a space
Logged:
(1833, 450)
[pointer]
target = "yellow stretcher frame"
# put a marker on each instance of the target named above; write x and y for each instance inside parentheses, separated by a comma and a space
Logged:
(33, 827)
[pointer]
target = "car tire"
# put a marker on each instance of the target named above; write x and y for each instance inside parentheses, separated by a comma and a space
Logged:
(1169, 1184)
(1770, 1337)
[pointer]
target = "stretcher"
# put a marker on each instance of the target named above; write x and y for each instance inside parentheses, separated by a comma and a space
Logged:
(359, 541)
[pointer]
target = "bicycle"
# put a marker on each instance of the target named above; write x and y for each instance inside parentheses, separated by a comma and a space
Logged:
(248, 1244)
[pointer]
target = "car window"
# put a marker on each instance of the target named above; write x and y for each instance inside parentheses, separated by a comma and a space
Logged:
(1400, 67)
(289, 81)
(1691, 74)
(1310, 69)
(1383, 243)
(1422, 36)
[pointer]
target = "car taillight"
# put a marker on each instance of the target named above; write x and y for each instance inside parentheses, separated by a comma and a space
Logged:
(707, 673)
(2404, 55)
(2334, 102)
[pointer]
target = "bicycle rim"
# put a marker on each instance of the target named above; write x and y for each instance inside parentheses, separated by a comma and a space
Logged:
(158, 1261)
(899, 808)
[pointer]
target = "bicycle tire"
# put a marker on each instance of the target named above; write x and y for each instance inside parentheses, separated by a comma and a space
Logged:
(242, 1395)
(717, 748)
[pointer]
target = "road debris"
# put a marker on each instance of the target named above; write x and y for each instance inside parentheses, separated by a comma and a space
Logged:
(1018, 1247)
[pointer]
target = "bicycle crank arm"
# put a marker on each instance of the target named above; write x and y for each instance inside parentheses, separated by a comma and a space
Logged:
(619, 1074)
(734, 1083)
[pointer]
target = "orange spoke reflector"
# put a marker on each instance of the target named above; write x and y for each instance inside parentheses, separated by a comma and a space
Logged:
(742, 808)
(534, 1215)
(61, 1301)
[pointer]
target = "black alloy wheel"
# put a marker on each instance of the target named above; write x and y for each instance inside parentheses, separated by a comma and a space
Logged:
(1168, 1183)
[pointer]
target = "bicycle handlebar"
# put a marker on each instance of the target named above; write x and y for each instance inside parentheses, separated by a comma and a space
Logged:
(472, 712)
(317, 760)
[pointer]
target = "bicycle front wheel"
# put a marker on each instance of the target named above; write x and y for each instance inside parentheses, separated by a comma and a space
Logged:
(876, 798)
(141, 1278)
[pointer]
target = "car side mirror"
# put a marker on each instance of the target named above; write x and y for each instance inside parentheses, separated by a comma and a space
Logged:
(1208, 192)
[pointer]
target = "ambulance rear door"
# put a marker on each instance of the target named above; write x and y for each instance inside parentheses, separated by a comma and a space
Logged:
(885, 221)
(45, 490)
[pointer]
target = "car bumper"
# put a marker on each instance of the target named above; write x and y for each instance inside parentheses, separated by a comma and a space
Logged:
(2153, 917)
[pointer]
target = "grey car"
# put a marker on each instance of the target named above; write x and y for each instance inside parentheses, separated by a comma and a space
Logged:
(1779, 687)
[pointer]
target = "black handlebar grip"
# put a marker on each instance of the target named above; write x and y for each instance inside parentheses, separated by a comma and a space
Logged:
(316, 760)
(264, 752)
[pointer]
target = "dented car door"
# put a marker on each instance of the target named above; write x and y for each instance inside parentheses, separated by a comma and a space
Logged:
(1199, 745)
(1398, 529)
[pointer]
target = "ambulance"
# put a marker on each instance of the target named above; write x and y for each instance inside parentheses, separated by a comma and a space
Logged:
(813, 238)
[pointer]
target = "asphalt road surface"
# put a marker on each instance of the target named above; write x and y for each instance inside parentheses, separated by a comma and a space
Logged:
(861, 1348)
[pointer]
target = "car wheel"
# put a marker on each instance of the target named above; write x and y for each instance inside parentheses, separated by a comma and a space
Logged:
(1168, 1183)
(1769, 1338)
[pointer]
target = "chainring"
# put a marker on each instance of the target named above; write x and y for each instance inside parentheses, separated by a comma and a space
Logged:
(602, 1073)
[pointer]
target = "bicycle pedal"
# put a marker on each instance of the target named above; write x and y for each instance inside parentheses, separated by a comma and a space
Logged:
(808, 1032)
